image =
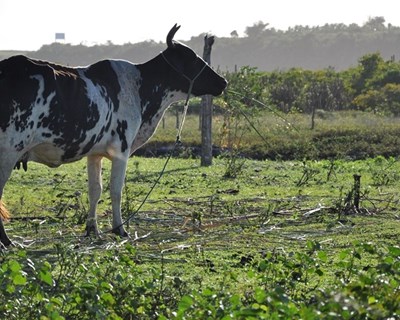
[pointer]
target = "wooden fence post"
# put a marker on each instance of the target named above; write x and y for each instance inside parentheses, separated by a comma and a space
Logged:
(206, 111)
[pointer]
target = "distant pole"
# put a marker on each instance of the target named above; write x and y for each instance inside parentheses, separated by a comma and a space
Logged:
(357, 185)
(206, 111)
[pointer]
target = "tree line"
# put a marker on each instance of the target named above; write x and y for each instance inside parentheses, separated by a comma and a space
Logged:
(332, 45)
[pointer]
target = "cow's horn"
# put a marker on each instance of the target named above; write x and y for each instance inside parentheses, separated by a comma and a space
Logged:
(171, 34)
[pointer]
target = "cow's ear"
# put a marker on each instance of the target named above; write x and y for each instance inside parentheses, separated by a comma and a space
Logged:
(171, 35)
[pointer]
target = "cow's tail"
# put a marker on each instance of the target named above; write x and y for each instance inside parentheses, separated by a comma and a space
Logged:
(4, 214)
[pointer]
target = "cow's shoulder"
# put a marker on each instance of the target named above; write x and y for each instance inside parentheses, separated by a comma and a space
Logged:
(103, 74)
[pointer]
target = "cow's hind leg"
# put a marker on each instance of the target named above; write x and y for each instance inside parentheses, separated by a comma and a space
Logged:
(6, 166)
(95, 189)
(118, 170)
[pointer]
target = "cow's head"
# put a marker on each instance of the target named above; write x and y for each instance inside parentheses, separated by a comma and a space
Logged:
(185, 65)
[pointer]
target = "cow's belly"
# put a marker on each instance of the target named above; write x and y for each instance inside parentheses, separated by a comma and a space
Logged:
(50, 155)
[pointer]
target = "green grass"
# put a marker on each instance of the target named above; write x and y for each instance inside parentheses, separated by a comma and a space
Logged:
(337, 135)
(281, 240)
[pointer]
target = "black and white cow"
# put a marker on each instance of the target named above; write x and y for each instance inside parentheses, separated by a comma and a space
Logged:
(54, 114)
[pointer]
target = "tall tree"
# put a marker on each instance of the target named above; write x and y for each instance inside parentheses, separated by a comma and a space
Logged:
(256, 30)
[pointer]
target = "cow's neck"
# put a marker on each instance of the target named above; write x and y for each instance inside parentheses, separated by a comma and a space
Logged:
(156, 95)
(156, 90)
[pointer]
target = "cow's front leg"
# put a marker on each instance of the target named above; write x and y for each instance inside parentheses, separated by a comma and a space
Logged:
(95, 189)
(118, 170)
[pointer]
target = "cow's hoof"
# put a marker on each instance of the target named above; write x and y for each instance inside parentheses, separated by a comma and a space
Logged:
(5, 243)
(91, 230)
(121, 232)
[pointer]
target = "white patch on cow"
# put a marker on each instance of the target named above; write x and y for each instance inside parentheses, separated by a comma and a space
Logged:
(129, 81)
(41, 149)
(39, 106)
(93, 91)
(130, 106)
(39, 94)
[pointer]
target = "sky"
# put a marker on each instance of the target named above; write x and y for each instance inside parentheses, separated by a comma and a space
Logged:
(29, 24)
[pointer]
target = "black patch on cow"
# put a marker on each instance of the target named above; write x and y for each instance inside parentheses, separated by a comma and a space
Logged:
(103, 75)
(108, 120)
(89, 145)
(121, 128)
(19, 146)
(150, 89)
(71, 113)
(17, 92)
(24, 161)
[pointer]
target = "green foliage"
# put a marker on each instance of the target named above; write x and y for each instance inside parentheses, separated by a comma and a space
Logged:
(369, 66)
(383, 171)
(384, 100)
(373, 85)
(285, 87)
(281, 279)
(234, 165)
(285, 284)
(309, 172)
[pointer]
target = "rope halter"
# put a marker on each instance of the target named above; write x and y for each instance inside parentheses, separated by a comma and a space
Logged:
(191, 83)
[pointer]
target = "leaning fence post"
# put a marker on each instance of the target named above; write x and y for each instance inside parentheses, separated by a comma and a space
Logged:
(206, 111)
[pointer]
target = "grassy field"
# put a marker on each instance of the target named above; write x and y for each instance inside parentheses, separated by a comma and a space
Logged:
(277, 136)
(242, 239)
